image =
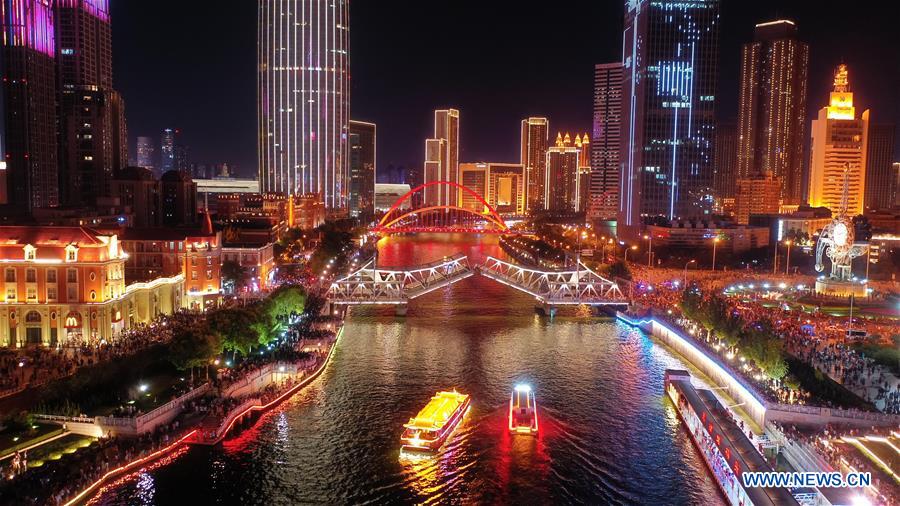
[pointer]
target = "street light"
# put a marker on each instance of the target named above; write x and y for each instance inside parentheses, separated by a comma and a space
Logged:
(685, 270)
(626, 252)
(715, 243)
(787, 263)
(649, 237)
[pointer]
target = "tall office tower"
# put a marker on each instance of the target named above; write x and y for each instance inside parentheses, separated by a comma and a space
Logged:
(182, 157)
(304, 99)
(605, 150)
(145, 152)
(474, 176)
(561, 182)
(28, 146)
(92, 133)
(167, 144)
(879, 175)
(839, 145)
(535, 141)
(725, 161)
(772, 107)
(362, 168)
(442, 158)
(668, 115)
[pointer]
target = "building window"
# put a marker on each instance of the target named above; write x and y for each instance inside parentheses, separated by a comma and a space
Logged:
(30, 252)
(93, 295)
(72, 294)
(208, 260)
(31, 294)
(10, 275)
(51, 293)
(208, 274)
(11, 293)
(72, 275)
(93, 276)
(194, 275)
(51, 275)
(30, 276)
(71, 253)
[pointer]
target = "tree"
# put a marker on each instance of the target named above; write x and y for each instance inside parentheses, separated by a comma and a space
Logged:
(233, 326)
(234, 275)
(193, 348)
(619, 269)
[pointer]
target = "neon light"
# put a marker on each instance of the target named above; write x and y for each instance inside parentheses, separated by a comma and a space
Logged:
(28, 23)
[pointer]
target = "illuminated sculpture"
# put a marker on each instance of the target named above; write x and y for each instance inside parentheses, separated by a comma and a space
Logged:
(837, 243)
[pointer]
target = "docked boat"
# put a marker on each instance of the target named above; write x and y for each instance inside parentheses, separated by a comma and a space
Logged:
(435, 422)
(523, 415)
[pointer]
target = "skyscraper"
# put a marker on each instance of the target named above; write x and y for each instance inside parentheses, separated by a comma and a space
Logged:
(167, 150)
(145, 152)
(362, 167)
(304, 98)
(772, 107)
(561, 181)
(839, 145)
(670, 56)
(442, 158)
(28, 145)
(879, 176)
(534, 143)
(605, 150)
(474, 176)
(92, 133)
(725, 161)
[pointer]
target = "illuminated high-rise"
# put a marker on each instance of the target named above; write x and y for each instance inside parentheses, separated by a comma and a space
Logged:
(879, 159)
(772, 107)
(92, 132)
(363, 136)
(838, 145)
(304, 98)
(167, 144)
(145, 152)
(28, 145)
(607, 141)
(670, 55)
(561, 178)
(534, 144)
(442, 159)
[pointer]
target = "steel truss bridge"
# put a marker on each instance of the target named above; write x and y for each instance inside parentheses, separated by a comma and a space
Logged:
(371, 285)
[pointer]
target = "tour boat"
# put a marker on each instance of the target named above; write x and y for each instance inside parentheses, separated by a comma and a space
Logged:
(434, 424)
(523, 415)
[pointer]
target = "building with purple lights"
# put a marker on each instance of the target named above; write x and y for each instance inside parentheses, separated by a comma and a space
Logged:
(304, 99)
(28, 143)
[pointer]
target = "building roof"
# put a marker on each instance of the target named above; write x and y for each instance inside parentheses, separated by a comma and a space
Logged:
(135, 174)
(161, 234)
(47, 236)
(176, 176)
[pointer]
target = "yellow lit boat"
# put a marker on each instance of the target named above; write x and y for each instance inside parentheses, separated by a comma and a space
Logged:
(523, 416)
(437, 420)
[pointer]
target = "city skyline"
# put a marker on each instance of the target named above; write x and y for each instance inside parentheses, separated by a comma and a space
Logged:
(387, 91)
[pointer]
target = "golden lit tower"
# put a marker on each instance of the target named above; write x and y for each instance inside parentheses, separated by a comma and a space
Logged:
(839, 140)
(535, 142)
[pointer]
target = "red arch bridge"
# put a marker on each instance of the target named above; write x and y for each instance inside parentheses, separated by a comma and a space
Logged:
(395, 286)
(473, 214)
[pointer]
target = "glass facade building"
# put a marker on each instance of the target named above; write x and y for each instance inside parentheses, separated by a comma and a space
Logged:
(670, 55)
(304, 98)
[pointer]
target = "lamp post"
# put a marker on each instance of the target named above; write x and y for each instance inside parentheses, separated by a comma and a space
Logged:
(775, 260)
(649, 237)
(715, 243)
(685, 270)
(787, 263)
(868, 251)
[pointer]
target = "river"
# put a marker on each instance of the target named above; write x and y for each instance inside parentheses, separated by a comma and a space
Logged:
(608, 435)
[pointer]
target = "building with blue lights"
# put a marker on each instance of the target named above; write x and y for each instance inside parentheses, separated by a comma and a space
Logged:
(670, 54)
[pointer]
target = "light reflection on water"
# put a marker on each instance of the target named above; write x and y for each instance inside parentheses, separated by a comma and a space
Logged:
(608, 434)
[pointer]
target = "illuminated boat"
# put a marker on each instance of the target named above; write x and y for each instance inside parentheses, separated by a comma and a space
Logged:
(437, 420)
(523, 415)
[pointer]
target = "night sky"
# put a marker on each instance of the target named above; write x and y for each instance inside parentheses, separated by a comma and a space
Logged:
(192, 65)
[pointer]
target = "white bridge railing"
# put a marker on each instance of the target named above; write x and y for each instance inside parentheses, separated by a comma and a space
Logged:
(577, 286)
(373, 285)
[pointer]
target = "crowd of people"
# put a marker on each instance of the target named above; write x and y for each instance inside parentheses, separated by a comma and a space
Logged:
(33, 367)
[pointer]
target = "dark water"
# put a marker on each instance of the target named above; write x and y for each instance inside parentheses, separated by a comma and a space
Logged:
(608, 436)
